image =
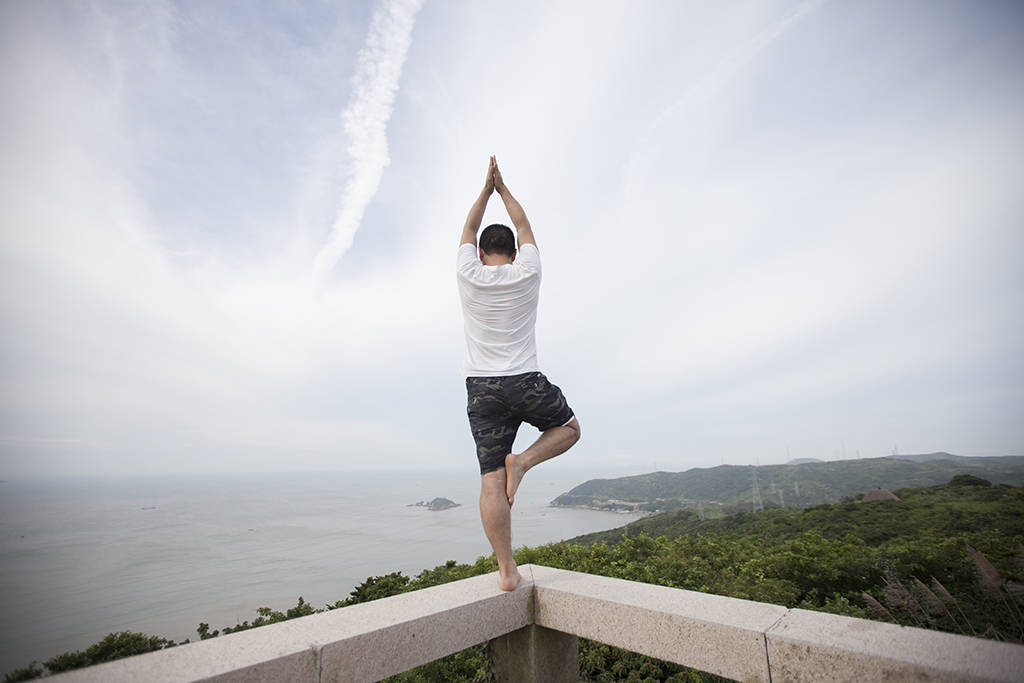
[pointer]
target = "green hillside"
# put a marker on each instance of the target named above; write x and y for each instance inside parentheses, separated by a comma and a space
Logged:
(964, 505)
(729, 488)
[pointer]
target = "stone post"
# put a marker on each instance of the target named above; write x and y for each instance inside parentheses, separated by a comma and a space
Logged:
(535, 654)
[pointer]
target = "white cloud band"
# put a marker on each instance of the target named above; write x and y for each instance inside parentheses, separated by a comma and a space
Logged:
(365, 121)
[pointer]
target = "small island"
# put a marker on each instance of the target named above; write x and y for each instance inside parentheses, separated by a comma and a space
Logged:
(436, 504)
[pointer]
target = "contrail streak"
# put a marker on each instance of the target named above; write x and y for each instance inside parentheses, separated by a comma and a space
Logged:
(365, 121)
(714, 80)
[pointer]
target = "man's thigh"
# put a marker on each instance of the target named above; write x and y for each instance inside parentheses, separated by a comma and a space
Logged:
(493, 425)
(534, 399)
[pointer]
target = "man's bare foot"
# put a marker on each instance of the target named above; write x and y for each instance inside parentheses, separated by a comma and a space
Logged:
(513, 475)
(509, 583)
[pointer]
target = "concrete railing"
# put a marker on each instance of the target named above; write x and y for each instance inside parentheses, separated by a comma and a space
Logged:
(533, 637)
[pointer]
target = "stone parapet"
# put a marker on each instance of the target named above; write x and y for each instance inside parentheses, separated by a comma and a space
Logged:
(364, 642)
(814, 646)
(720, 635)
(533, 634)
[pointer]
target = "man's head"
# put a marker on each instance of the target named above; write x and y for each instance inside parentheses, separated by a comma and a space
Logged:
(498, 240)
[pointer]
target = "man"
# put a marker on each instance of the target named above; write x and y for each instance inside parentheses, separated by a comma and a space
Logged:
(499, 289)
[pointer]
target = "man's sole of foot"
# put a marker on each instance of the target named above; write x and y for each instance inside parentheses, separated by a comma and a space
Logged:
(512, 477)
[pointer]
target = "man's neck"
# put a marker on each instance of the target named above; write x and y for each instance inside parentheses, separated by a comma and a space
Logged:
(495, 259)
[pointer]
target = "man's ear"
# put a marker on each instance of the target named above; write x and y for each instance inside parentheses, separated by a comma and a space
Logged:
(480, 253)
(514, 252)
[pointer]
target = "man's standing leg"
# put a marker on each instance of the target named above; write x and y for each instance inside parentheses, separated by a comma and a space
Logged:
(495, 513)
(552, 442)
(494, 431)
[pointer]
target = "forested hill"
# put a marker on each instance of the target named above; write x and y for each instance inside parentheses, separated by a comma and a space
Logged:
(964, 505)
(729, 488)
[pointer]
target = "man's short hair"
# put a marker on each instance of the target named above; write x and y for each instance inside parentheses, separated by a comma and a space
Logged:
(498, 239)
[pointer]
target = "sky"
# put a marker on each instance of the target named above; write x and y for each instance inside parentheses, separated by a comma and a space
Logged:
(769, 229)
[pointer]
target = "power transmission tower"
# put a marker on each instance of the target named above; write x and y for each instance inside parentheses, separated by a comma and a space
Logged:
(758, 505)
(796, 487)
(700, 510)
(782, 498)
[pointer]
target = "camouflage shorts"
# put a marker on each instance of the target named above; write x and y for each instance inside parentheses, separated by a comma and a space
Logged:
(498, 405)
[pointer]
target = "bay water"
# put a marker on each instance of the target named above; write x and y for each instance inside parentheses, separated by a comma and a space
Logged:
(84, 557)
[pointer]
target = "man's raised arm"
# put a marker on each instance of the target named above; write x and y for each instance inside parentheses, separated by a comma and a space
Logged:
(515, 210)
(476, 213)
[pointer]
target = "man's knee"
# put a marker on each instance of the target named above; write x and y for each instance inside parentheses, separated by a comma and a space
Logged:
(574, 425)
(493, 480)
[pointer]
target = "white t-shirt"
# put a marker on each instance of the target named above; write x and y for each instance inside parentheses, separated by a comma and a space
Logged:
(499, 310)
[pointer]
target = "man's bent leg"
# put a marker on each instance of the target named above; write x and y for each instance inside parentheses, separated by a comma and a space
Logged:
(496, 518)
(552, 442)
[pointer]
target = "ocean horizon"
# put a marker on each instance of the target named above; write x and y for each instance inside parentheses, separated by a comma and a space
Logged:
(81, 557)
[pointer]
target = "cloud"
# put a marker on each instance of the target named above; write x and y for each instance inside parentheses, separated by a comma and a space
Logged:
(120, 351)
(365, 121)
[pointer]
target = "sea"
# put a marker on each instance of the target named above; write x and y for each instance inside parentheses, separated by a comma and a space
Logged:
(84, 557)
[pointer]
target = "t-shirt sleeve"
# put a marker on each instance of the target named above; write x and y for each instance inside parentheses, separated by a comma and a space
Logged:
(467, 258)
(529, 258)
